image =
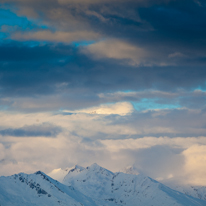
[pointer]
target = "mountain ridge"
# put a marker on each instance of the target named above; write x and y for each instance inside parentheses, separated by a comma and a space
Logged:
(90, 186)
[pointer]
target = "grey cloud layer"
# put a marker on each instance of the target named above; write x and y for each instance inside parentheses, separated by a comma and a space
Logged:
(57, 76)
(45, 130)
(65, 64)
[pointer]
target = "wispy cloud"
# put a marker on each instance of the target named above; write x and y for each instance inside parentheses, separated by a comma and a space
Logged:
(43, 130)
(59, 36)
(116, 49)
(121, 108)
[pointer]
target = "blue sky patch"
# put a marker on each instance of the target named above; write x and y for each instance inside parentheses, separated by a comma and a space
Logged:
(11, 22)
(83, 43)
(149, 104)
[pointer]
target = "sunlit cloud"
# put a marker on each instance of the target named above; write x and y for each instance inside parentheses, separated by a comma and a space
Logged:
(116, 49)
(121, 108)
(195, 161)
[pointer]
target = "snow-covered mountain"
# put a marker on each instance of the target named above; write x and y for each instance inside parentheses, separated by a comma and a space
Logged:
(90, 186)
(39, 189)
(194, 191)
(191, 190)
(59, 174)
(112, 189)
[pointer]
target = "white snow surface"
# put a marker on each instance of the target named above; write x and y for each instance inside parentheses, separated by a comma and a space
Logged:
(112, 189)
(59, 174)
(90, 186)
(194, 191)
(191, 190)
(39, 189)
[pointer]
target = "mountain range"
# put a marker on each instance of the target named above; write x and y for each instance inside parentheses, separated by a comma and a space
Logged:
(93, 186)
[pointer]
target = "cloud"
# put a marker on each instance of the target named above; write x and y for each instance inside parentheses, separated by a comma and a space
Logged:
(110, 140)
(82, 1)
(2, 152)
(142, 24)
(157, 99)
(45, 129)
(195, 164)
(116, 49)
(136, 124)
(29, 155)
(176, 55)
(149, 142)
(121, 108)
(163, 158)
(43, 68)
(59, 36)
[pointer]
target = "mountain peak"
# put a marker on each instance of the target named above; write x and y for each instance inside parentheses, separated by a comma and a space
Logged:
(130, 170)
(43, 175)
(94, 166)
(39, 173)
(77, 168)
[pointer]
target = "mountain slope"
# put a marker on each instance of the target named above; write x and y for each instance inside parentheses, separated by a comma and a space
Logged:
(59, 174)
(191, 190)
(194, 191)
(112, 189)
(38, 189)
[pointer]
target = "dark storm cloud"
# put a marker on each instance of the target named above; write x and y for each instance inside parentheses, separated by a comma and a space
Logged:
(179, 25)
(166, 26)
(29, 52)
(57, 69)
(28, 70)
(172, 34)
(45, 129)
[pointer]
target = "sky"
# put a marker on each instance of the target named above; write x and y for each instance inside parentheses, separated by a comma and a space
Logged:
(116, 82)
